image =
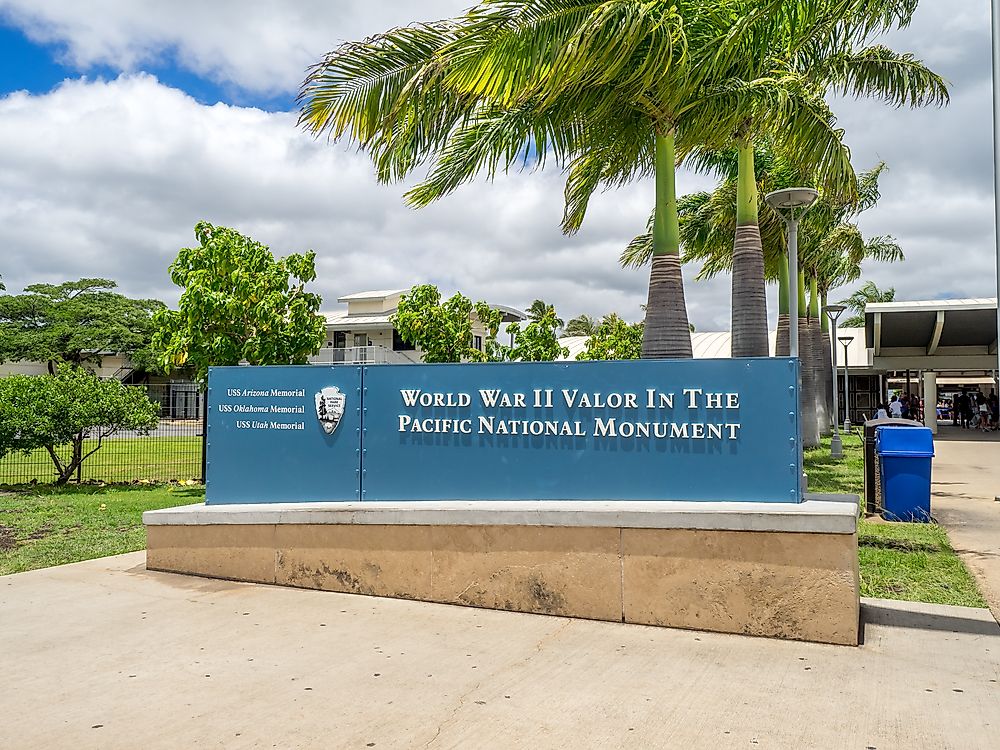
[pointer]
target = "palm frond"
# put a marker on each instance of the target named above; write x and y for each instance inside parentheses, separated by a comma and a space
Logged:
(356, 88)
(884, 249)
(490, 142)
(638, 252)
(877, 72)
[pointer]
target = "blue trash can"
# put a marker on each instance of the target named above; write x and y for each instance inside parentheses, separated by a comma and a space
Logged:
(905, 455)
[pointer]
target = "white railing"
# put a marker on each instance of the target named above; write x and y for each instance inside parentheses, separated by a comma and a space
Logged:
(362, 355)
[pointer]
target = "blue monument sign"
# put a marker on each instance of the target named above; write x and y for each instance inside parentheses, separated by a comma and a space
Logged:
(637, 430)
(283, 434)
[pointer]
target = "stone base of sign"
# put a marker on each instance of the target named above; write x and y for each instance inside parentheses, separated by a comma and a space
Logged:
(778, 570)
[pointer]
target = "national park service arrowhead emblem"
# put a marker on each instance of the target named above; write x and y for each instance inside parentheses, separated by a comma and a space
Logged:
(330, 405)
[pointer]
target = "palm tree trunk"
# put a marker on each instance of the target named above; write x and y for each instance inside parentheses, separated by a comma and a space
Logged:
(807, 396)
(822, 412)
(828, 344)
(781, 345)
(819, 375)
(749, 302)
(667, 332)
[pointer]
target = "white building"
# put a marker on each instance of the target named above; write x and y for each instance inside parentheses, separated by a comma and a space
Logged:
(363, 333)
(108, 365)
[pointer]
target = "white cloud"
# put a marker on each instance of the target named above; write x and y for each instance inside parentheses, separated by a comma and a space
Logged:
(108, 179)
(263, 46)
(937, 197)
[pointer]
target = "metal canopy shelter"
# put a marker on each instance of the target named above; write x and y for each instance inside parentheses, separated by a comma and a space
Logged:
(959, 334)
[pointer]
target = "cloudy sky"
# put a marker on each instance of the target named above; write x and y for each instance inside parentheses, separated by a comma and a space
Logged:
(124, 123)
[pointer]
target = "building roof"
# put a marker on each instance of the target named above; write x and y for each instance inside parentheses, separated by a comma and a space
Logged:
(980, 303)
(575, 344)
(381, 319)
(714, 344)
(718, 345)
(378, 294)
(510, 314)
(950, 334)
(341, 318)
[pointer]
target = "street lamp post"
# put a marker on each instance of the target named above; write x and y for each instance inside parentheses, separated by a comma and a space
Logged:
(833, 312)
(995, 34)
(791, 205)
(846, 340)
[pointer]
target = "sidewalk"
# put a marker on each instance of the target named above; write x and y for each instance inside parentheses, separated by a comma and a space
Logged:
(965, 481)
(104, 654)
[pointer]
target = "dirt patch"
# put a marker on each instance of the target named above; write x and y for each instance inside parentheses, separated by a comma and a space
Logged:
(40, 533)
(900, 545)
(7, 539)
(545, 599)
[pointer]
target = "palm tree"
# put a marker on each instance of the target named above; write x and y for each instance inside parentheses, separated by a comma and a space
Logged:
(612, 91)
(832, 253)
(512, 83)
(540, 309)
(819, 56)
(619, 79)
(844, 64)
(831, 246)
(581, 325)
(856, 303)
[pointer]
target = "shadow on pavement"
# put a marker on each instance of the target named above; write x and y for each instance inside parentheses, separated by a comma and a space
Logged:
(949, 433)
(873, 614)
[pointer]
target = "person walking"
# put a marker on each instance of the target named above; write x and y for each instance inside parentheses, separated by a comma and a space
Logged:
(896, 408)
(962, 406)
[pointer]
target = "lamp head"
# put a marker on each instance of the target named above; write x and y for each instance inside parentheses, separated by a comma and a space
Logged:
(792, 203)
(845, 340)
(834, 311)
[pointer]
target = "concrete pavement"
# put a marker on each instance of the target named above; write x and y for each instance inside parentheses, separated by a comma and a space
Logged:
(105, 654)
(965, 482)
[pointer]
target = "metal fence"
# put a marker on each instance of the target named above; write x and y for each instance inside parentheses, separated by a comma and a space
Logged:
(363, 355)
(173, 451)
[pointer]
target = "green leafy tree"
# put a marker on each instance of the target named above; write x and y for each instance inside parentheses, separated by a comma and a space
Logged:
(538, 340)
(443, 331)
(73, 408)
(614, 339)
(76, 322)
(239, 304)
(856, 303)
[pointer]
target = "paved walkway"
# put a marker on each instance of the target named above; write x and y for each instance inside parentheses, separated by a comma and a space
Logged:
(966, 481)
(105, 654)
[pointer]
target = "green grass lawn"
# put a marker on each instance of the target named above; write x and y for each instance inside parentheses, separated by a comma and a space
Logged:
(44, 526)
(911, 561)
(155, 459)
